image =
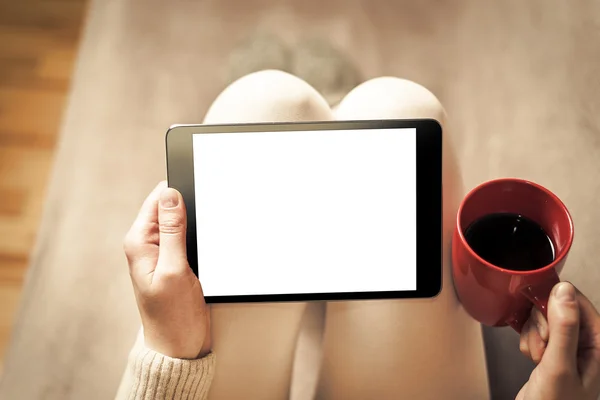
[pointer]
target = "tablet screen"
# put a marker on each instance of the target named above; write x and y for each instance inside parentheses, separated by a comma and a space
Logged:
(326, 211)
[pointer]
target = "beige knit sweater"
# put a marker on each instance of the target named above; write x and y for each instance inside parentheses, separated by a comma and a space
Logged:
(152, 375)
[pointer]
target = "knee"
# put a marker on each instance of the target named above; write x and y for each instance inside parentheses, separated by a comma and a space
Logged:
(390, 97)
(268, 96)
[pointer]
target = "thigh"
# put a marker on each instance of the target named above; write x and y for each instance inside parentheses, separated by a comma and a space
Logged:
(417, 349)
(255, 343)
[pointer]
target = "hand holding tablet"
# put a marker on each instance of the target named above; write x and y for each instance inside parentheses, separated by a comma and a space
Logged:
(311, 211)
(170, 301)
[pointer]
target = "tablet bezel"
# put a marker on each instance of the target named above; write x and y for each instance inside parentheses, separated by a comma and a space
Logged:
(180, 175)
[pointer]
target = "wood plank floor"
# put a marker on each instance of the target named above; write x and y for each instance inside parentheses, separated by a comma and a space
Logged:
(38, 45)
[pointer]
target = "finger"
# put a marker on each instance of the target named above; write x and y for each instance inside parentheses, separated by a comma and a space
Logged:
(541, 324)
(172, 226)
(524, 340)
(537, 346)
(589, 342)
(563, 326)
(141, 231)
(531, 343)
(538, 336)
(148, 214)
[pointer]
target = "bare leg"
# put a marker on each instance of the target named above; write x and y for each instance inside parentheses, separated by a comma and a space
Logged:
(404, 349)
(255, 343)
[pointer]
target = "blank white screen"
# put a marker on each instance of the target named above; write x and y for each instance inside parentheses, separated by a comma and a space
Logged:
(306, 211)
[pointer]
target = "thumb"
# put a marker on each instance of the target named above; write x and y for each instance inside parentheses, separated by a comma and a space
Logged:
(172, 227)
(563, 327)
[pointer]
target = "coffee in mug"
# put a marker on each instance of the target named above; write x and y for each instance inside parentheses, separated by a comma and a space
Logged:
(510, 241)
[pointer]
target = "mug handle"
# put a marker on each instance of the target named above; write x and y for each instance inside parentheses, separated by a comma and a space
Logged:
(538, 294)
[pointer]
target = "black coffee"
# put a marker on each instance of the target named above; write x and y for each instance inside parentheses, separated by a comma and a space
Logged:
(510, 241)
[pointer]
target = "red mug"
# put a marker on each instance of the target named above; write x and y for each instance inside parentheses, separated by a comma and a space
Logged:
(496, 296)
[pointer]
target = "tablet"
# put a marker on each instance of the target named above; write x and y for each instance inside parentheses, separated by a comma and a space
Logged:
(340, 210)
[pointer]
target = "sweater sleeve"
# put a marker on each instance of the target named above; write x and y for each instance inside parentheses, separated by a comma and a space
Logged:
(156, 376)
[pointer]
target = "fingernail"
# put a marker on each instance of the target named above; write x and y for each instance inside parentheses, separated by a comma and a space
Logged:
(565, 292)
(169, 198)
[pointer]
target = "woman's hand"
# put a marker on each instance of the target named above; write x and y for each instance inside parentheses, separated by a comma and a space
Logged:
(566, 348)
(169, 297)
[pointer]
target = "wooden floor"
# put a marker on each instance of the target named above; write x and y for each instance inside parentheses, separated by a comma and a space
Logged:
(38, 44)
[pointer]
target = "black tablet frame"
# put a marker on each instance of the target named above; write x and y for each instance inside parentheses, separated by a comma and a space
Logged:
(180, 175)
